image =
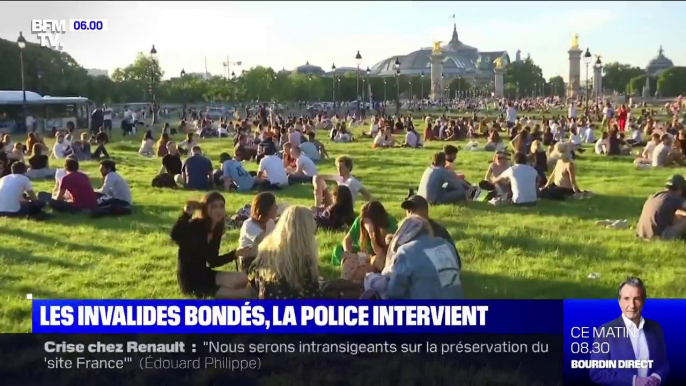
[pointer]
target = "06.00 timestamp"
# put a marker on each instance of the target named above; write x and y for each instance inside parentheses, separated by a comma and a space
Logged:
(590, 348)
(87, 25)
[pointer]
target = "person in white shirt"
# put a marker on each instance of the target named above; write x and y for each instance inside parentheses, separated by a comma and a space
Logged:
(511, 115)
(107, 120)
(17, 198)
(222, 132)
(322, 194)
(645, 159)
(588, 135)
(271, 172)
(305, 169)
(147, 144)
(634, 342)
(412, 139)
(61, 148)
(383, 139)
(636, 137)
(523, 181)
(30, 123)
(572, 110)
(603, 144)
(114, 198)
(373, 128)
(263, 211)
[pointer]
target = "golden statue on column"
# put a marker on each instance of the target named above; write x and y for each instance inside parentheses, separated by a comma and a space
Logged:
(575, 41)
(437, 46)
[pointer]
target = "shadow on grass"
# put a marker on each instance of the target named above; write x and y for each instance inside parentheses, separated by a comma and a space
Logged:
(599, 207)
(49, 240)
(11, 255)
(487, 286)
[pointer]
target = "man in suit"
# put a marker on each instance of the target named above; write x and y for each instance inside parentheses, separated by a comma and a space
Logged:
(645, 341)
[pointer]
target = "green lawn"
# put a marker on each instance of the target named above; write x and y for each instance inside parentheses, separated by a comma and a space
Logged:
(507, 252)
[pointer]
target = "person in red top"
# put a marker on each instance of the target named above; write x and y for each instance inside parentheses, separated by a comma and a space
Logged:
(82, 195)
(622, 116)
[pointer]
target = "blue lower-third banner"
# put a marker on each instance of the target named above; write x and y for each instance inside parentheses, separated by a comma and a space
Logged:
(306, 316)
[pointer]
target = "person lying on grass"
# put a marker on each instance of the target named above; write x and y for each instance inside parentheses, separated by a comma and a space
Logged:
(198, 232)
(344, 165)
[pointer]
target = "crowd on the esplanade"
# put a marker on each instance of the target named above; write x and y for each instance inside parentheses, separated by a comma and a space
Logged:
(380, 256)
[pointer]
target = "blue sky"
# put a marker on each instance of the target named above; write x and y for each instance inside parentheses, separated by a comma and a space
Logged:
(287, 34)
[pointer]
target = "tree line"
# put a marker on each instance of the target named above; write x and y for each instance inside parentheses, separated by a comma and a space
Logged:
(56, 73)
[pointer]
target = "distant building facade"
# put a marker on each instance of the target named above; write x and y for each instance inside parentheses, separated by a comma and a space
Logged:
(97, 72)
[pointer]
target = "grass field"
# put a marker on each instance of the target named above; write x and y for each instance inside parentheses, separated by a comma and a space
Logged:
(507, 252)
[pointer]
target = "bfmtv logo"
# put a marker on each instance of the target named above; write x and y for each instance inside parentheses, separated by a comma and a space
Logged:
(49, 31)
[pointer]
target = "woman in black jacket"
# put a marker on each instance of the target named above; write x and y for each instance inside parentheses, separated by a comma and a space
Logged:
(198, 238)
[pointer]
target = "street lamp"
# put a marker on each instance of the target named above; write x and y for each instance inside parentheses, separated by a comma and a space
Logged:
(358, 60)
(598, 65)
(369, 89)
(21, 42)
(442, 82)
(397, 85)
(339, 88)
(384, 90)
(153, 55)
(421, 76)
(333, 84)
(587, 60)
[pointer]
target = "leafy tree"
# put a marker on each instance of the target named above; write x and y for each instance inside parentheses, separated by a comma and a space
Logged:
(556, 86)
(672, 82)
(617, 76)
(526, 77)
(637, 84)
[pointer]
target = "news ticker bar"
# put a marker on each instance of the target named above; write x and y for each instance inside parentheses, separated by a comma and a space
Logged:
(323, 358)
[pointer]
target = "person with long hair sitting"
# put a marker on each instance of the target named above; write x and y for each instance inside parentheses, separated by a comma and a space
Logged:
(286, 263)
(187, 145)
(339, 214)
(161, 146)
(263, 211)
(147, 144)
(562, 184)
(198, 233)
(497, 167)
(368, 234)
(418, 265)
(39, 164)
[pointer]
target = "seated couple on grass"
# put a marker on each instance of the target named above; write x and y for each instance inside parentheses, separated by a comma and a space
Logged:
(440, 185)
(73, 192)
(390, 261)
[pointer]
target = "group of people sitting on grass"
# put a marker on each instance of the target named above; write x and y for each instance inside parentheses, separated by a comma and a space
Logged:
(73, 192)
(277, 256)
(521, 183)
(36, 154)
(284, 156)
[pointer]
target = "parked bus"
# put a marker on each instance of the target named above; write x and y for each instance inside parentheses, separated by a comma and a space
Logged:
(48, 111)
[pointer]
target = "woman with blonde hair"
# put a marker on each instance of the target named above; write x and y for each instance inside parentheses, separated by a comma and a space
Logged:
(286, 263)
(562, 182)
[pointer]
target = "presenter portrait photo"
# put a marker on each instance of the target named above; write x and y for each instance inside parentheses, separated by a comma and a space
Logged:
(641, 340)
